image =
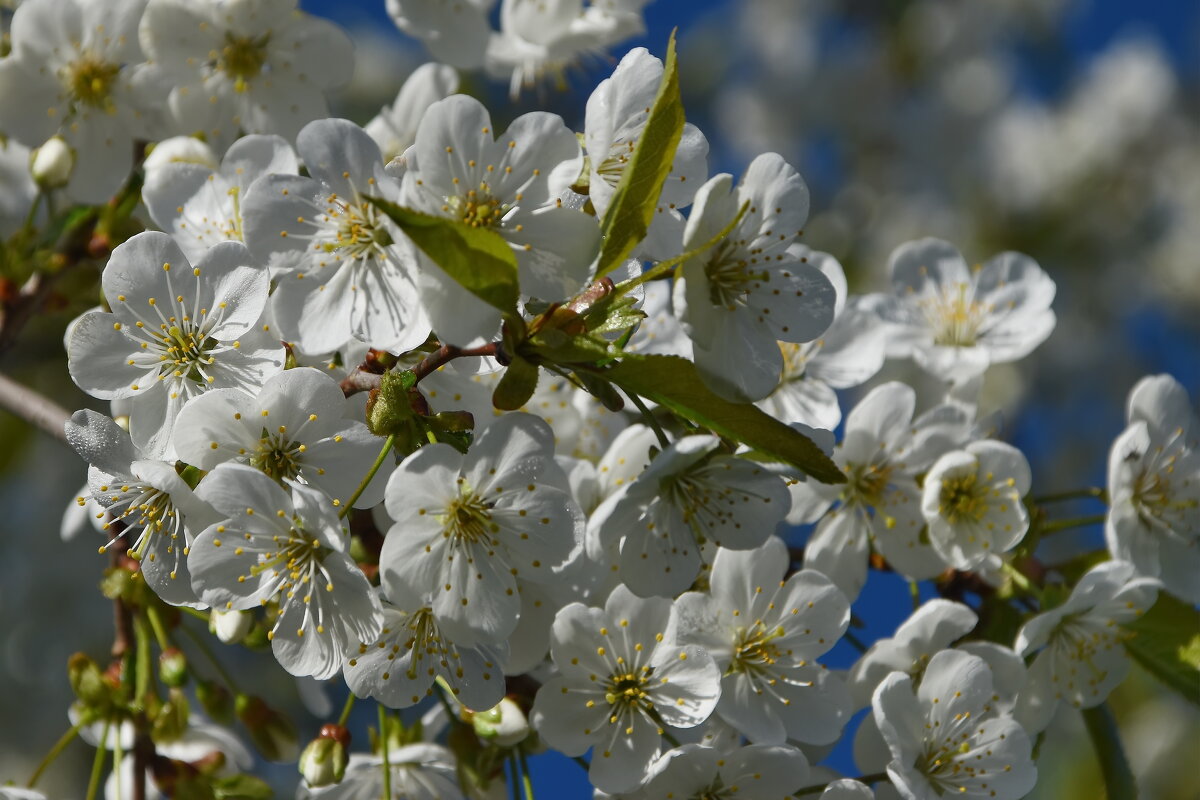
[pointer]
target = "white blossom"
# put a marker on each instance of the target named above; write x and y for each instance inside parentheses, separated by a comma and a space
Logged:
(460, 168)
(175, 331)
(398, 667)
(739, 297)
(1154, 487)
(622, 677)
(689, 495)
(849, 353)
(261, 66)
(765, 634)
(948, 737)
(69, 73)
(882, 452)
(343, 268)
(1080, 644)
(199, 203)
(145, 498)
(956, 320)
(472, 530)
(290, 548)
(972, 503)
(297, 427)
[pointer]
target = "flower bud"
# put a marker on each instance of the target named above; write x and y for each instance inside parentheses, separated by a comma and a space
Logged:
(88, 682)
(273, 734)
(172, 667)
(181, 150)
(216, 701)
(230, 626)
(505, 725)
(323, 762)
(171, 720)
(52, 163)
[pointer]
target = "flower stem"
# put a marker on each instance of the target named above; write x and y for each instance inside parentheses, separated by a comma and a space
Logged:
(1090, 491)
(915, 590)
(854, 641)
(33, 407)
(1102, 728)
(1020, 580)
(346, 709)
(526, 780)
(56, 751)
(661, 268)
(650, 420)
(383, 750)
(513, 769)
(362, 487)
(98, 762)
(156, 624)
(1066, 524)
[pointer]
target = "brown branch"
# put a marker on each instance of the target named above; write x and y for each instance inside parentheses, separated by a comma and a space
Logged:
(33, 407)
(363, 379)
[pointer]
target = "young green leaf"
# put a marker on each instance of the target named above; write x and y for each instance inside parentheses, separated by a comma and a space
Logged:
(674, 383)
(636, 198)
(479, 259)
(516, 385)
(1167, 645)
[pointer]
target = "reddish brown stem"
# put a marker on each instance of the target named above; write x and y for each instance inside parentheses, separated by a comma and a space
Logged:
(362, 380)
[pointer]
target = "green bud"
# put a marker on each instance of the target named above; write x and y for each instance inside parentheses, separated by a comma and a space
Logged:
(171, 721)
(88, 682)
(173, 667)
(323, 762)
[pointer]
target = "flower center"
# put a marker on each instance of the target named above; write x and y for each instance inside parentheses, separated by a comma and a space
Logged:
(628, 692)
(361, 232)
(867, 483)
(243, 58)
(187, 349)
(468, 519)
(277, 456)
(962, 498)
(955, 316)
(477, 208)
(90, 81)
(729, 280)
(756, 650)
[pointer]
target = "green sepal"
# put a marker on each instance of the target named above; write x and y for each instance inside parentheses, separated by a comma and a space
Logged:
(241, 787)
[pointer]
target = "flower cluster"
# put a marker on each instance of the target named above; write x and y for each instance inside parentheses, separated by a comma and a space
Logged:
(599, 386)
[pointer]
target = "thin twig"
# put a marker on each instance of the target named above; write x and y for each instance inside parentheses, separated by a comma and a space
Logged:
(34, 407)
(363, 380)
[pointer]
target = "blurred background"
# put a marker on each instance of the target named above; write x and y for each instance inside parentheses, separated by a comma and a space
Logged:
(1066, 129)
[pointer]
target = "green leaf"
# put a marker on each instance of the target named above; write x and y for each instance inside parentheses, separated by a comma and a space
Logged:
(242, 787)
(478, 258)
(516, 385)
(560, 347)
(636, 198)
(1118, 777)
(1167, 645)
(674, 383)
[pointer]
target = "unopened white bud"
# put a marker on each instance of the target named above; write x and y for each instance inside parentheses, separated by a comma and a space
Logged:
(505, 725)
(52, 163)
(230, 626)
(181, 150)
